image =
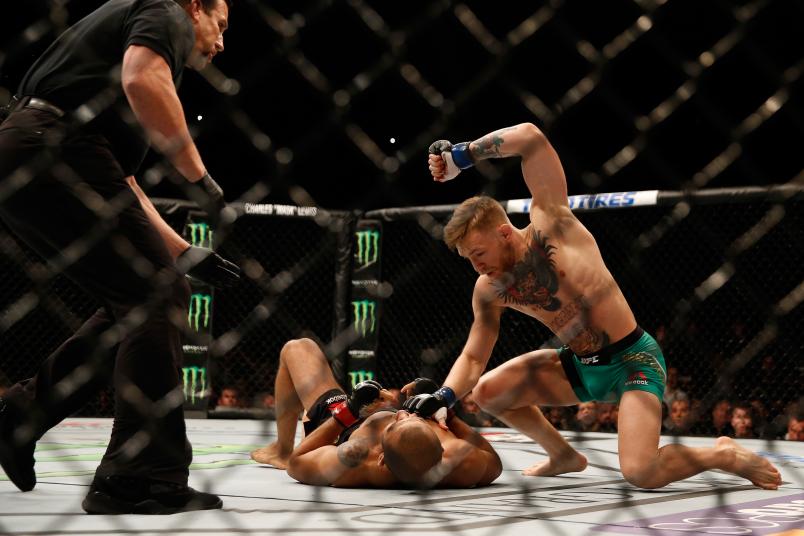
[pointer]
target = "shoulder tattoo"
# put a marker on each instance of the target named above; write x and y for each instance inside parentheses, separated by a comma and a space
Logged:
(353, 452)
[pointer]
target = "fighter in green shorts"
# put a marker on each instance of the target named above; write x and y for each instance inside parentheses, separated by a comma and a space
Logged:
(552, 270)
(634, 363)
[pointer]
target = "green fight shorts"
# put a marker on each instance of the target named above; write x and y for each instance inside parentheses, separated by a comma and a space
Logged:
(634, 363)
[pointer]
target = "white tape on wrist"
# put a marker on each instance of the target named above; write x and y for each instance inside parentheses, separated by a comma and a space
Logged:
(450, 169)
(440, 415)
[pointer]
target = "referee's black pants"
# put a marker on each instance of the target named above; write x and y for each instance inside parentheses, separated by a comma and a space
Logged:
(65, 195)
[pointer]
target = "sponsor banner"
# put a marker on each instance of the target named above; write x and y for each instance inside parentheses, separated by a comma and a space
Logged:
(195, 381)
(357, 376)
(365, 302)
(194, 349)
(775, 515)
(199, 234)
(361, 354)
(199, 313)
(364, 318)
(366, 251)
(593, 201)
(279, 210)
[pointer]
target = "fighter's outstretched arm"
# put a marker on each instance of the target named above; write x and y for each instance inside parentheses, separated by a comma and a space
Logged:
(472, 361)
(469, 365)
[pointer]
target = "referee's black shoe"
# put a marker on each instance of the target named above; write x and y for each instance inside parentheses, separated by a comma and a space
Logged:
(130, 495)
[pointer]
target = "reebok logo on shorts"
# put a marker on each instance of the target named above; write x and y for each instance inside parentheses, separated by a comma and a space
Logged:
(637, 378)
(333, 401)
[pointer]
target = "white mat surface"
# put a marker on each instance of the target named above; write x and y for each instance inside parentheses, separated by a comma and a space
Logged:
(261, 500)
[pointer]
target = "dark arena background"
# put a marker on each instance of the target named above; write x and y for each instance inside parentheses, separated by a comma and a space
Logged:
(316, 120)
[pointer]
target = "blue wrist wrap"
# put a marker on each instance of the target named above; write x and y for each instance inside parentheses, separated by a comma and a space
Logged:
(461, 155)
(447, 394)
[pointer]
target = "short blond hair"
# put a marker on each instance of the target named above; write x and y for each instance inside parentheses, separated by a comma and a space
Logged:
(479, 212)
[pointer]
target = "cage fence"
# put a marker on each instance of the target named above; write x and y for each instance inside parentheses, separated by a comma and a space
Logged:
(645, 99)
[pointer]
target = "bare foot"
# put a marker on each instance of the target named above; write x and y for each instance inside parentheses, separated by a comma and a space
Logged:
(748, 465)
(271, 455)
(572, 462)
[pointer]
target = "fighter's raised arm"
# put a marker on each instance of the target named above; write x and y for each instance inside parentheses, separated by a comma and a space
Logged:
(541, 167)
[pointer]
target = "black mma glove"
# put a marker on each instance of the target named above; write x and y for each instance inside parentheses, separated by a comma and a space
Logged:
(456, 157)
(208, 195)
(435, 405)
(424, 386)
(348, 412)
(208, 267)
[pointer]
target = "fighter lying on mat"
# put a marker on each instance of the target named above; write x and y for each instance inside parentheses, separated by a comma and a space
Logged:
(367, 443)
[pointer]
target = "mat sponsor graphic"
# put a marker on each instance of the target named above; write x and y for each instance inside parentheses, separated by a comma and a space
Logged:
(365, 316)
(198, 313)
(212, 456)
(367, 251)
(195, 383)
(200, 234)
(771, 516)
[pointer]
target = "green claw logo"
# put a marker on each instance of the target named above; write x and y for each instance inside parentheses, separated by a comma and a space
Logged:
(200, 235)
(195, 382)
(365, 312)
(358, 376)
(368, 247)
(199, 311)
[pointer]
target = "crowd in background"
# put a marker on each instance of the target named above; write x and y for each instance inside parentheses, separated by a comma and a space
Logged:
(764, 401)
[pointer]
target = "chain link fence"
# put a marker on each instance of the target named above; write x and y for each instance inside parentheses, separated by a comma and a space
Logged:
(634, 94)
(714, 282)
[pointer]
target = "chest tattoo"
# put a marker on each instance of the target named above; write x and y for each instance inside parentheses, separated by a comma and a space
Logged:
(533, 281)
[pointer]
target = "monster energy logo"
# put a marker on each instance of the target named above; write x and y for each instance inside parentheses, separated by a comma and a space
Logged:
(368, 247)
(195, 382)
(200, 235)
(365, 316)
(198, 314)
(358, 376)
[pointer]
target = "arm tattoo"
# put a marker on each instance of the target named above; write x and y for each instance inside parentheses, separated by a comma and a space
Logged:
(353, 452)
(489, 146)
(533, 280)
